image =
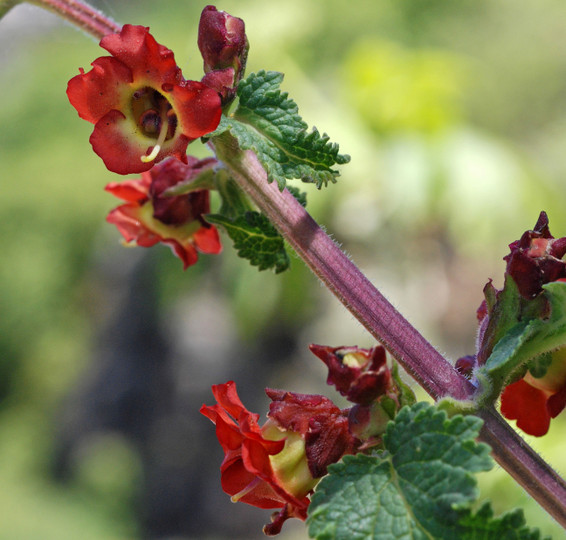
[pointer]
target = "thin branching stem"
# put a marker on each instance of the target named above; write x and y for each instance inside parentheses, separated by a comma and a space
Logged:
(83, 15)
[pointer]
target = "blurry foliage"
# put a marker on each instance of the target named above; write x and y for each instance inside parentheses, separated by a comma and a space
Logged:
(454, 115)
(397, 89)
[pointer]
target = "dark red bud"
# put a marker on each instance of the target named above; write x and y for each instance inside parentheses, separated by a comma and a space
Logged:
(466, 365)
(536, 259)
(222, 40)
(360, 375)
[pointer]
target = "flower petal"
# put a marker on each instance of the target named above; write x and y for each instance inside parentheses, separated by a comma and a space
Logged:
(127, 220)
(197, 108)
(134, 191)
(207, 240)
(522, 402)
(100, 90)
(120, 144)
(149, 61)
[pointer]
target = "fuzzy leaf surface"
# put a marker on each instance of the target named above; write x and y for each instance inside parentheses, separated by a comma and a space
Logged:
(267, 121)
(256, 239)
(421, 487)
(526, 341)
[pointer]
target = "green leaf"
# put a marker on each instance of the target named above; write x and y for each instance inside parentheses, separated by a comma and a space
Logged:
(256, 239)
(523, 343)
(268, 122)
(420, 487)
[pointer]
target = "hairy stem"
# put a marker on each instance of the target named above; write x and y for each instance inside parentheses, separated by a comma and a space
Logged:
(419, 358)
(82, 15)
(327, 261)
(524, 465)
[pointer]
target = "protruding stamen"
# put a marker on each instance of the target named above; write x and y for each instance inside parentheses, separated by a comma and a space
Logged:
(254, 483)
(162, 136)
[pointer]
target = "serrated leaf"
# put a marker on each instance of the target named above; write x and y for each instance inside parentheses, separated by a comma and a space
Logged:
(523, 343)
(421, 487)
(268, 122)
(482, 525)
(256, 239)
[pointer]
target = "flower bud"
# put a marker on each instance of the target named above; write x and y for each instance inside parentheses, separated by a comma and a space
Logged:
(224, 47)
(360, 375)
(222, 40)
(536, 259)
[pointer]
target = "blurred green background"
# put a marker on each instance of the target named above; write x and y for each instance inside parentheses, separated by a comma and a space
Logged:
(454, 114)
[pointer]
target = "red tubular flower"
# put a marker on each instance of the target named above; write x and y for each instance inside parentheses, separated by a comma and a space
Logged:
(142, 108)
(148, 217)
(270, 466)
(533, 402)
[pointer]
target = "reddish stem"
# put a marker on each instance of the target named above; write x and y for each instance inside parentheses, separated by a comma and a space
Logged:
(435, 374)
(429, 368)
(82, 15)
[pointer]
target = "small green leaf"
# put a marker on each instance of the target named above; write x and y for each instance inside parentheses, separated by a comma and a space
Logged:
(268, 122)
(420, 487)
(204, 180)
(539, 365)
(524, 342)
(256, 239)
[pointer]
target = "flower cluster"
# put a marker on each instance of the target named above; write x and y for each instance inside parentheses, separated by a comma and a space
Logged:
(532, 401)
(142, 108)
(150, 216)
(278, 464)
(534, 260)
(365, 378)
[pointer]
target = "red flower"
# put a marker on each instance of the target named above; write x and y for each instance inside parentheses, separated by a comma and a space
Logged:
(149, 218)
(142, 108)
(534, 260)
(360, 375)
(269, 466)
(534, 401)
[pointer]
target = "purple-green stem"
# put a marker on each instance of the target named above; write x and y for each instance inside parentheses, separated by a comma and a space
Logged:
(81, 14)
(419, 358)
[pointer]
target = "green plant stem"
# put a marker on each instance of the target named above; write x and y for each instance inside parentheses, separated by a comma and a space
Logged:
(424, 363)
(83, 15)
